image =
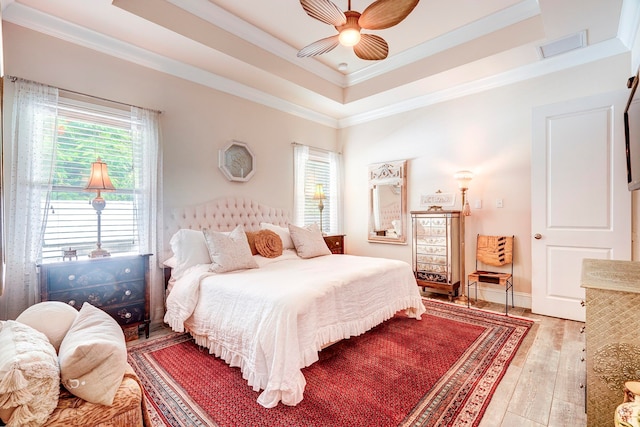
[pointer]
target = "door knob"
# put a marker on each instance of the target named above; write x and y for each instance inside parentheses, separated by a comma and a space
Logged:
(537, 236)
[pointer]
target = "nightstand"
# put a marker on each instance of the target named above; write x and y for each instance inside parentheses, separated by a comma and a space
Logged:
(117, 284)
(335, 243)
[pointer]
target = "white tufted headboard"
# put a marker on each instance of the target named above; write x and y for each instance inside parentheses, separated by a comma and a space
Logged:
(222, 214)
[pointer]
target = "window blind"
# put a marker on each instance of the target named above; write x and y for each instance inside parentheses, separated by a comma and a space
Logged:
(317, 172)
(85, 132)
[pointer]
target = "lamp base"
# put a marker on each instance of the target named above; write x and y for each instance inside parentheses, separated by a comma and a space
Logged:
(461, 299)
(99, 253)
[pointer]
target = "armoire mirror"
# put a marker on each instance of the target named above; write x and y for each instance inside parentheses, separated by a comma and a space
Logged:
(388, 202)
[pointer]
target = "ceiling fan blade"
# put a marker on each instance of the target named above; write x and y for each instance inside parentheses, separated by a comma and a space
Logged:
(324, 11)
(383, 14)
(319, 47)
(371, 47)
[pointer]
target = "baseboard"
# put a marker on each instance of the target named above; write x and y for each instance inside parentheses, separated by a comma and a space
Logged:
(497, 295)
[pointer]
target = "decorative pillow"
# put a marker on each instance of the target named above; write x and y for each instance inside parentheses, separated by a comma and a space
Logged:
(93, 356)
(229, 252)
(29, 375)
(308, 243)
(189, 248)
(251, 239)
(52, 318)
(268, 244)
(283, 232)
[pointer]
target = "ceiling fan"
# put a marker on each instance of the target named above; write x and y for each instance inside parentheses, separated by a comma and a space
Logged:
(378, 15)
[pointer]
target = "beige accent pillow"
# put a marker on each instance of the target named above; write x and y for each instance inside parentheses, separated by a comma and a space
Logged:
(52, 318)
(283, 232)
(93, 356)
(29, 375)
(308, 243)
(229, 252)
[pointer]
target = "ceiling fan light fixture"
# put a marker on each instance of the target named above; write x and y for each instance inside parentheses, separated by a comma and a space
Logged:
(349, 37)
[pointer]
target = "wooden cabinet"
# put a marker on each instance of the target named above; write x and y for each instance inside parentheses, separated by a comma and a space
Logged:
(117, 284)
(438, 250)
(335, 243)
(612, 291)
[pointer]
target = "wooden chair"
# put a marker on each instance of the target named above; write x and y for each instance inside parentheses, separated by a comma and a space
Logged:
(494, 251)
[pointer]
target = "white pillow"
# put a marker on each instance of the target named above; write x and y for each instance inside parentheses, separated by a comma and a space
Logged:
(29, 375)
(309, 242)
(52, 318)
(189, 249)
(171, 262)
(93, 356)
(229, 252)
(283, 232)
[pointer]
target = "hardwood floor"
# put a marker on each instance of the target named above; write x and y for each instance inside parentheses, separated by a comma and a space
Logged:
(542, 386)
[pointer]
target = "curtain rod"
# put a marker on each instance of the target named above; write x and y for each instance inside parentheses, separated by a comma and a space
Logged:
(316, 148)
(14, 79)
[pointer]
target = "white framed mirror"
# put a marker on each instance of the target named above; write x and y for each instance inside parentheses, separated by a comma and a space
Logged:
(388, 202)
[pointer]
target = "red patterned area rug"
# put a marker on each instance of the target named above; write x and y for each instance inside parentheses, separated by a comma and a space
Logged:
(440, 371)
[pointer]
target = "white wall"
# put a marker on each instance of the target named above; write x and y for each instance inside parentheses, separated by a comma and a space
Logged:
(195, 123)
(488, 133)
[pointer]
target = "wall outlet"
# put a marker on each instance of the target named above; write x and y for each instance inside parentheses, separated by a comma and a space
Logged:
(499, 203)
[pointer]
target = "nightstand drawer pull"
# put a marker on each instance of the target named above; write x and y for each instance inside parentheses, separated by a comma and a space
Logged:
(116, 285)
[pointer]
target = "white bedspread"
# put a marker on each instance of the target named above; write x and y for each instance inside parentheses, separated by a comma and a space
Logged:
(272, 321)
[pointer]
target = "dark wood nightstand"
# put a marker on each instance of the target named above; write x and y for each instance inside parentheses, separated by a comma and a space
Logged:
(117, 284)
(335, 243)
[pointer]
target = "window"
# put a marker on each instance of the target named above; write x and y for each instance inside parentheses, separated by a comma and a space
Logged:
(86, 132)
(55, 136)
(315, 167)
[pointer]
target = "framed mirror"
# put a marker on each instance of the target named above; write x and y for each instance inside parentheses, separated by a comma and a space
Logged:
(388, 202)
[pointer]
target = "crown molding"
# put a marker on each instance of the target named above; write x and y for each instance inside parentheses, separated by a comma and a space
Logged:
(606, 49)
(30, 18)
(64, 30)
(221, 18)
(492, 23)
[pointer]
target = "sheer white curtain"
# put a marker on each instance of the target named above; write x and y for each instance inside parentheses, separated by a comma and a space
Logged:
(300, 159)
(147, 152)
(31, 160)
(335, 210)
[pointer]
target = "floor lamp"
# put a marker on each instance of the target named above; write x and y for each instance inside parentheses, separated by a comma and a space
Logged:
(99, 181)
(319, 195)
(463, 178)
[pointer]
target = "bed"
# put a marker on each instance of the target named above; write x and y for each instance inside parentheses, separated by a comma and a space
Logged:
(272, 320)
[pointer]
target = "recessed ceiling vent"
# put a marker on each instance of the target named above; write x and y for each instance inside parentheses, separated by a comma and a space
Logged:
(563, 45)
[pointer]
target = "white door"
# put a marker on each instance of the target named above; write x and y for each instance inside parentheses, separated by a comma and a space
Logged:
(580, 204)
